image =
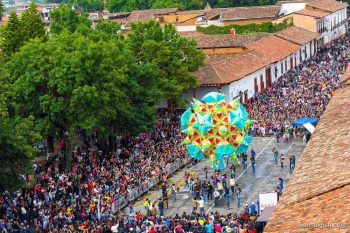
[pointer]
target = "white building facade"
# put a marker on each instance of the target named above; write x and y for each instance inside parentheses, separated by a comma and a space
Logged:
(336, 25)
(256, 82)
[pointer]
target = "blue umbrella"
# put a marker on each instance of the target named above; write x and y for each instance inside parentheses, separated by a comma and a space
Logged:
(303, 121)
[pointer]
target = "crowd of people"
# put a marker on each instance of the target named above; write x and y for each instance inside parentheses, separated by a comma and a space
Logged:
(193, 222)
(70, 200)
(81, 200)
(304, 91)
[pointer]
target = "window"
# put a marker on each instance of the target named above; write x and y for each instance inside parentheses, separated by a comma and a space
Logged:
(281, 67)
(286, 65)
(256, 87)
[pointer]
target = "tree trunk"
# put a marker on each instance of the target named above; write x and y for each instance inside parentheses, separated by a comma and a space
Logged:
(50, 144)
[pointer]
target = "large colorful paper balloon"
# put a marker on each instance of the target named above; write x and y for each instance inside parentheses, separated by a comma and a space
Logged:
(216, 130)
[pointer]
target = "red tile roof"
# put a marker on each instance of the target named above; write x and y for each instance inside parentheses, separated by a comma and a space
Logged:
(224, 40)
(144, 15)
(297, 35)
(346, 75)
(319, 189)
(252, 12)
(327, 5)
(311, 13)
(232, 67)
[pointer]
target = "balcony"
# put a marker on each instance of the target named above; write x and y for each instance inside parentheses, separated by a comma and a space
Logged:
(322, 30)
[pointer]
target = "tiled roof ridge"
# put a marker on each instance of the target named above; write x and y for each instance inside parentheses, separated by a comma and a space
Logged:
(315, 196)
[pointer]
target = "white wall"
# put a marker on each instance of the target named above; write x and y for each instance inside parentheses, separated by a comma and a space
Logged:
(198, 93)
(246, 84)
(334, 19)
(216, 22)
(191, 28)
(288, 8)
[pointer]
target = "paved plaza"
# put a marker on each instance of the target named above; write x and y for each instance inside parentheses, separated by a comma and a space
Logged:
(263, 179)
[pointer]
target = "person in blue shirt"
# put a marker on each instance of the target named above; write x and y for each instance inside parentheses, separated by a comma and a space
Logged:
(252, 208)
(280, 185)
(161, 207)
(168, 223)
(210, 228)
(252, 162)
(258, 205)
(238, 199)
(252, 153)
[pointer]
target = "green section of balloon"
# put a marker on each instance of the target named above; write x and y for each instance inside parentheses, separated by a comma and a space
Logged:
(216, 130)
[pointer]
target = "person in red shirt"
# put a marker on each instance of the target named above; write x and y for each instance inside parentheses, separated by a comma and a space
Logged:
(152, 230)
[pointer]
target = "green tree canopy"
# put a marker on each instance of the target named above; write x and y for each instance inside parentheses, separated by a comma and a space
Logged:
(2, 10)
(11, 36)
(17, 138)
(70, 83)
(88, 5)
(109, 27)
(171, 57)
(158, 4)
(65, 18)
(17, 30)
(32, 24)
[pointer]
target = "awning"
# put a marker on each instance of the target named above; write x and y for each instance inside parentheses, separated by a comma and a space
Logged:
(303, 121)
(266, 214)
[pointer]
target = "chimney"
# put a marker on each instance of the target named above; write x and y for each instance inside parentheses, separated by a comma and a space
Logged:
(232, 32)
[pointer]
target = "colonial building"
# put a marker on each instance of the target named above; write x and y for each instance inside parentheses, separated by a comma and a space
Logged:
(241, 15)
(189, 20)
(327, 17)
(256, 66)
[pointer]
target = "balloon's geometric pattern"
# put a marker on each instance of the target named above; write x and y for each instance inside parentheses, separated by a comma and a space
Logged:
(216, 130)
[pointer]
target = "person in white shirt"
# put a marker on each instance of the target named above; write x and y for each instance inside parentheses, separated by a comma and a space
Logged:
(201, 206)
(232, 185)
(216, 197)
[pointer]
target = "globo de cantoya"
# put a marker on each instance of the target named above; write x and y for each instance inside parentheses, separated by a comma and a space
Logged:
(216, 130)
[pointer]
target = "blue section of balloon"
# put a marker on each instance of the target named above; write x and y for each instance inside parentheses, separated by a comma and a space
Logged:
(218, 165)
(203, 123)
(238, 118)
(244, 146)
(224, 151)
(185, 118)
(195, 152)
(216, 130)
(213, 97)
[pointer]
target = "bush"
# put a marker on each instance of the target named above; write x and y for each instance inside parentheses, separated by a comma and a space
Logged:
(248, 28)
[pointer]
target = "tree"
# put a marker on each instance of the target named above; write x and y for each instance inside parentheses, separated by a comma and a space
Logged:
(2, 10)
(170, 57)
(32, 24)
(71, 82)
(111, 28)
(158, 4)
(19, 30)
(12, 38)
(65, 18)
(16, 139)
(89, 5)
